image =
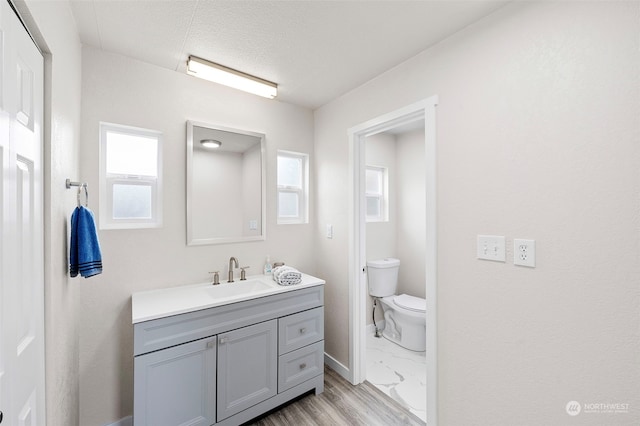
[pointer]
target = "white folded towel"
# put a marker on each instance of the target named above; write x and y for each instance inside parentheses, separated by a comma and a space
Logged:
(286, 275)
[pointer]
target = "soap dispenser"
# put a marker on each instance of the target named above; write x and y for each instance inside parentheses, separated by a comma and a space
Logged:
(267, 266)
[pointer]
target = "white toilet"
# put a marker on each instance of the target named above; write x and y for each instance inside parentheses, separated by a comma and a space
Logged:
(405, 316)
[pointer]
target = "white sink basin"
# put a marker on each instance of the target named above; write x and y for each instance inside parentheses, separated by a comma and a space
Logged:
(237, 288)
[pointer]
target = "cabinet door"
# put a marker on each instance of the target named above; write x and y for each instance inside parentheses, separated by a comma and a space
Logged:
(176, 386)
(247, 367)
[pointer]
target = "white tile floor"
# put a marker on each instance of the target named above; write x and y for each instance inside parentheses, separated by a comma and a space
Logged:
(399, 373)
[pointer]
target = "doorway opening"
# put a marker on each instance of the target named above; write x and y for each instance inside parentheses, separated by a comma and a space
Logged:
(422, 114)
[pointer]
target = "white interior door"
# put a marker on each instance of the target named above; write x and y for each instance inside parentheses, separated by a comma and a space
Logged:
(21, 252)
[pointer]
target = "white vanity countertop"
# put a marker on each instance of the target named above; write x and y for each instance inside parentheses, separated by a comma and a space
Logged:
(154, 304)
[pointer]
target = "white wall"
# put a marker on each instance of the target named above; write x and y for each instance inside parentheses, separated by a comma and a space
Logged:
(251, 194)
(411, 213)
(380, 151)
(537, 137)
(121, 90)
(216, 192)
(54, 29)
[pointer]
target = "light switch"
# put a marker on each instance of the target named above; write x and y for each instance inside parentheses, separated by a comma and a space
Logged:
(491, 247)
(329, 231)
(253, 225)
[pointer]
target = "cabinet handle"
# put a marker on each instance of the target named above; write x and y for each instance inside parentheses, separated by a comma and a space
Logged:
(303, 330)
(222, 340)
(303, 366)
(1, 416)
(211, 344)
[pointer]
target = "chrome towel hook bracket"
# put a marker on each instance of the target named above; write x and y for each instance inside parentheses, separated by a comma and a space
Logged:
(81, 186)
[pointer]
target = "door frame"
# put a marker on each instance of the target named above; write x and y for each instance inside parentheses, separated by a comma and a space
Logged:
(423, 110)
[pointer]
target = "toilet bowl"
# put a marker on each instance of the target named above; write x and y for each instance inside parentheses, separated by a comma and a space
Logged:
(405, 321)
(405, 316)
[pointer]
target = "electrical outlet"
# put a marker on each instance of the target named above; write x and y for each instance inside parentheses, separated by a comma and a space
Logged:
(524, 252)
(491, 247)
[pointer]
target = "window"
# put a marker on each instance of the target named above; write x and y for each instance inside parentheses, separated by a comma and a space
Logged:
(293, 187)
(376, 194)
(130, 177)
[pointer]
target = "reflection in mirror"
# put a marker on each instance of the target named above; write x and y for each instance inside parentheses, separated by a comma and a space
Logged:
(225, 185)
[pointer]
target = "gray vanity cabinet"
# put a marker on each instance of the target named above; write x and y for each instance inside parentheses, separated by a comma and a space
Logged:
(247, 366)
(176, 386)
(228, 364)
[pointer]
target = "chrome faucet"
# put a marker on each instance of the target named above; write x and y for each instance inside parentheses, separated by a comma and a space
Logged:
(232, 261)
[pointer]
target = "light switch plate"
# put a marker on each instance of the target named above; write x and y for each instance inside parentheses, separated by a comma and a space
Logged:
(524, 252)
(329, 231)
(491, 247)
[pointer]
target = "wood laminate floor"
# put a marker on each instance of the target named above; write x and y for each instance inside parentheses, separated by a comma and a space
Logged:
(341, 403)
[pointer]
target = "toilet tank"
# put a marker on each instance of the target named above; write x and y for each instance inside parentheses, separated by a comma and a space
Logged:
(382, 276)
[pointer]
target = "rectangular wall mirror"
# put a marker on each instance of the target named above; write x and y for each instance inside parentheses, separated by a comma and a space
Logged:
(225, 185)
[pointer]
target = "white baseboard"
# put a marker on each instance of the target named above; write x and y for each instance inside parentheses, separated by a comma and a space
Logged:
(338, 367)
(127, 421)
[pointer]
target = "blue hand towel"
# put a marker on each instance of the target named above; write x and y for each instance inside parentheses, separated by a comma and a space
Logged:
(85, 256)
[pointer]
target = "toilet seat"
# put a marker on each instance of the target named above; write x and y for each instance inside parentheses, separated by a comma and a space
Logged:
(412, 303)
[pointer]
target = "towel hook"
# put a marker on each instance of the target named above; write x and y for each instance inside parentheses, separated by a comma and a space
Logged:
(80, 185)
(86, 195)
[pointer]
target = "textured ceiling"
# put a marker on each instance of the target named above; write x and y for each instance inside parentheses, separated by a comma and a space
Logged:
(315, 50)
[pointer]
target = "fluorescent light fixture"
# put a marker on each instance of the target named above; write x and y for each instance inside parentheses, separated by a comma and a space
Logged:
(230, 77)
(210, 143)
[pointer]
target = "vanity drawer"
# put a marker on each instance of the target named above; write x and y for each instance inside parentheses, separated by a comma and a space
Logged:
(301, 329)
(300, 365)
